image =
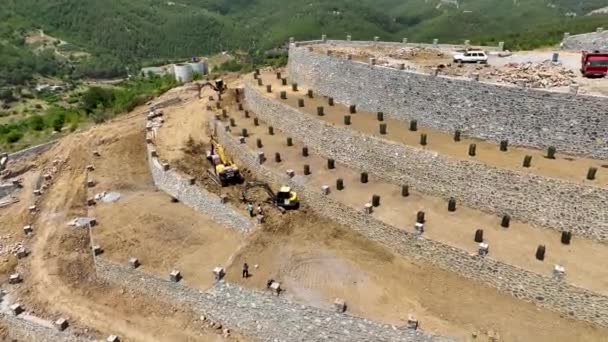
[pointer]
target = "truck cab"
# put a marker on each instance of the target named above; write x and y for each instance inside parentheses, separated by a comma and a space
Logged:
(594, 64)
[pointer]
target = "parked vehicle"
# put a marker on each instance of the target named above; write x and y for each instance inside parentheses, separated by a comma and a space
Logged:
(594, 64)
(471, 56)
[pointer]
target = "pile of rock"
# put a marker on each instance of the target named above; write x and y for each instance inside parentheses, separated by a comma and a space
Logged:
(7, 248)
(536, 75)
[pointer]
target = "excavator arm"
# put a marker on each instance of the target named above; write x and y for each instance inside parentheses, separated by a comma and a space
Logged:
(257, 184)
(224, 170)
(217, 148)
(218, 86)
(291, 202)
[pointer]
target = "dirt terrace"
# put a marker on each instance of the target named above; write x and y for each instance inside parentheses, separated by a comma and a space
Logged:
(318, 260)
(515, 245)
(144, 223)
(59, 277)
(565, 167)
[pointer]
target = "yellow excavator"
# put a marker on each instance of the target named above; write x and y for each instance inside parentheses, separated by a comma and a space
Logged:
(224, 171)
(284, 198)
(218, 85)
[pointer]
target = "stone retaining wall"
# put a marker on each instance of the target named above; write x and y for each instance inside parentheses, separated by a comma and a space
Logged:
(260, 315)
(544, 291)
(356, 43)
(548, 202)
(587, 41)
(31, 151)
(7, 189)
(194, 196)
(22, 330)
(572, 123)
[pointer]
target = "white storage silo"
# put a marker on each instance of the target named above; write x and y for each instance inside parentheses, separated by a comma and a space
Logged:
(183, 72)
(199, 67)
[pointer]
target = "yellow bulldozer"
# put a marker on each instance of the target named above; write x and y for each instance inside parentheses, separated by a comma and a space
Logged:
(223, 170)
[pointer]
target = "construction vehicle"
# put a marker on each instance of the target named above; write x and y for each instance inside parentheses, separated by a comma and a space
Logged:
(218, 85)
(594, 64)
(223, 170)
(284, 198)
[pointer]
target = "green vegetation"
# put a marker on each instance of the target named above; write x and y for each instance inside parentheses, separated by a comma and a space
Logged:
(131, 33)
(20, 65)
(252, 60)
(113, 38)
(96, 104)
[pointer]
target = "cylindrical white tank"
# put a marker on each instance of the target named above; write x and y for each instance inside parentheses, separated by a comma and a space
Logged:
(199, 67)
(183, 72)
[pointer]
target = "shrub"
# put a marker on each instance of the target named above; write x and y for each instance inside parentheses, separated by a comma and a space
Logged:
(58, 122)
(99, 116)
(96, 96)
(13, 137)
(36, 122)
(6, 95)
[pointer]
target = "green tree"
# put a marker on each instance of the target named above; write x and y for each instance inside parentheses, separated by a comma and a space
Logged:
(96, 96)
(58, 123)
(36, 122)
(6, 95)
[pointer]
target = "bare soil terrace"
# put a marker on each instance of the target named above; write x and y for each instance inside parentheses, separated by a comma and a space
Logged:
(318, 260)
(565, 167)
(145, 224)
(59, 277)
(515, 245)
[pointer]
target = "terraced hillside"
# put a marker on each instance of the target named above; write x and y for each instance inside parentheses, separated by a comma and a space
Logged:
(410, 223)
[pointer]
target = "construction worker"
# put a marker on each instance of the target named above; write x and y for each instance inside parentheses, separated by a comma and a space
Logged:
(250, 209)
(260, 210)
(245, 270)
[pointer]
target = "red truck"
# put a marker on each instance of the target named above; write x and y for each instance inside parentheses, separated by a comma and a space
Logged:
(594, 63)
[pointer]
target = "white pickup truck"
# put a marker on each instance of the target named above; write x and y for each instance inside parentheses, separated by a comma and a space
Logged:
(471, 56)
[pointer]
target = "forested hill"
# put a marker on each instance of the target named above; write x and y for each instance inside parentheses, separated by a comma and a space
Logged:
(133, 31)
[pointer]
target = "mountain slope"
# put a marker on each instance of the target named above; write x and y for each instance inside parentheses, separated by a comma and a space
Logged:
(133, 31)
